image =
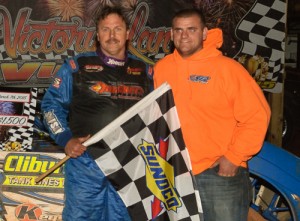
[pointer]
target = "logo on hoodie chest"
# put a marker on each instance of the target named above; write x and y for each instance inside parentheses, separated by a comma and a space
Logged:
(199, 78)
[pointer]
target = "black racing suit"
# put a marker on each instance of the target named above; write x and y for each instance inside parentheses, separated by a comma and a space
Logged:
(88, 92)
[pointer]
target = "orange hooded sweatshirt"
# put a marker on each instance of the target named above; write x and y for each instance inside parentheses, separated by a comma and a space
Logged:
(222, 110)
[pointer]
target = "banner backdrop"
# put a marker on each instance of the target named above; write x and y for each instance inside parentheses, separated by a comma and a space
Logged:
(35, 36)
(21, 198)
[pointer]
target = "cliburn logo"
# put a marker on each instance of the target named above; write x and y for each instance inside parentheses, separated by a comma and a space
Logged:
(159, 177)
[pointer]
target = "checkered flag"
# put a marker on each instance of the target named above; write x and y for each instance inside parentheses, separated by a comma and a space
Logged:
(262, 31)
(147, 162)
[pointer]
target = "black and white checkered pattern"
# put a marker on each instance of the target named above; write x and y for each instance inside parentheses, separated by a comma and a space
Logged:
(275, 67)
(262, 31)
(152, 119)
(70, 52)
(24, 134)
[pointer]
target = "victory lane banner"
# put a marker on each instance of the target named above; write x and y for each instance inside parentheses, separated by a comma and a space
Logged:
(147, 162)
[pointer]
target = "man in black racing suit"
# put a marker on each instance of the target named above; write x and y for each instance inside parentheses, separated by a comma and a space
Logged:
(88, 92)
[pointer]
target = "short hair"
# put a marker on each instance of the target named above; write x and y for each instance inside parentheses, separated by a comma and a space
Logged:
(187, 12)
(107, 10)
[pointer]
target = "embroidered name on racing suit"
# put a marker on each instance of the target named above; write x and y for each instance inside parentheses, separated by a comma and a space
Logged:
(53, 122)
(115, 62)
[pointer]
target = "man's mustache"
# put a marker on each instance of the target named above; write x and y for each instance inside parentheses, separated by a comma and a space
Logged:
(112, 40)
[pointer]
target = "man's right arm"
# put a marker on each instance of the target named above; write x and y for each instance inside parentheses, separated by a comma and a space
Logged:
(55, 106)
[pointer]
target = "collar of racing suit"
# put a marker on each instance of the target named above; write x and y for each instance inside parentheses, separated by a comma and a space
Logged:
(110, 61)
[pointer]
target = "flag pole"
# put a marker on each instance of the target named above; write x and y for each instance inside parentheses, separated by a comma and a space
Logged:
(90, 141)
(52, 169)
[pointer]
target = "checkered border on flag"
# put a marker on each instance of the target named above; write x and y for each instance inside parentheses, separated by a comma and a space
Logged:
(262, 31)
(153, 120)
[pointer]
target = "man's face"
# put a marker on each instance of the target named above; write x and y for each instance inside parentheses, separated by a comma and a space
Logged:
(112, 36)
(188, 35)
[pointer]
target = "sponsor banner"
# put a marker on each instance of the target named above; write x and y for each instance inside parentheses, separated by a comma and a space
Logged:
(33, 45)
(21, 126)
(17, 115)
(22, 199)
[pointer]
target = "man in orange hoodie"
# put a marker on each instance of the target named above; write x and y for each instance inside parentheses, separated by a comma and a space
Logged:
(223, 113)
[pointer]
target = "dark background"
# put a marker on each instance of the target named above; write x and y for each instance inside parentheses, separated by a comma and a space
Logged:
(291, 120)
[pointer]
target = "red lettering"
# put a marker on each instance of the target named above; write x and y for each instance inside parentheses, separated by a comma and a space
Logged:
(140, 33)
(12, 72)
(44, 37)
(46, 69)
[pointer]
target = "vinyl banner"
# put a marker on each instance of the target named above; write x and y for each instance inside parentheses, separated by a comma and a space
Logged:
(35, 36)
(21, 198)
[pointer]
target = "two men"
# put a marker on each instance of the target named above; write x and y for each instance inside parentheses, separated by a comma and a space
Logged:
(223, 113)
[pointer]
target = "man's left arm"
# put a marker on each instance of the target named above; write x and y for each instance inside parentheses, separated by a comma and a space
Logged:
(252, 114)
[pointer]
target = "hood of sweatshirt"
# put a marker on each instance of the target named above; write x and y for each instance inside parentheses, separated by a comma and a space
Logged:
(214, 38)
(213, 42)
